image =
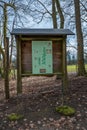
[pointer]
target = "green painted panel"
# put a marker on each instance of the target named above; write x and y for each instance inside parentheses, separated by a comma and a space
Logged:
(42, 57)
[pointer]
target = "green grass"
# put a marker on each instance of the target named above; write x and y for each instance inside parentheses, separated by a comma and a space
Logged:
(73, 68)
(86, 67)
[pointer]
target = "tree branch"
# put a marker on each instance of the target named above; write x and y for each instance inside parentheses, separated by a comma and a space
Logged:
(44, 7)
(83, 6)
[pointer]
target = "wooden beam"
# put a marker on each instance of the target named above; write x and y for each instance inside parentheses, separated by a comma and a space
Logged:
(27, 39)
(64, 65)
(19, 81)
(30, 74)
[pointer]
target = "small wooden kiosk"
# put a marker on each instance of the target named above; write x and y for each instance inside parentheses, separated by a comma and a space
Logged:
(41, 52)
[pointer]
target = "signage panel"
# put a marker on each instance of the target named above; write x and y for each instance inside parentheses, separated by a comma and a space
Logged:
(42, 57)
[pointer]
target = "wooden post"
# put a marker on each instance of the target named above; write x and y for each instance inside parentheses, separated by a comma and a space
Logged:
(7, 68)
(65, 78)
(64, 69)
(19, 81)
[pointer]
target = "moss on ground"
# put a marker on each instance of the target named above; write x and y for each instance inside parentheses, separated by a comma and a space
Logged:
(14, 116)
(65, 110)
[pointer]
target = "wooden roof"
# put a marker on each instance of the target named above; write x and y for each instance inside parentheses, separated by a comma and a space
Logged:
(41, 32)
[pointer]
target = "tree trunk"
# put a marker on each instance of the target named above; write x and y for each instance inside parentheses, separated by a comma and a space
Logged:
(10, 60)
(12, 41)
(54, 14)
(4, 29)
(6, 47)
(60, 13)
(80, 45)
(3, 55)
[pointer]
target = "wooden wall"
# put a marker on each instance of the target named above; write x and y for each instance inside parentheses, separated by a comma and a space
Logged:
(57, 56)
(26, 56)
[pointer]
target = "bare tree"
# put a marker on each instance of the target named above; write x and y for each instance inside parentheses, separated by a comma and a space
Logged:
(60, 12)
(81, 67)
(51, 9)
(54, 17)
(85, 8)
(6, 46)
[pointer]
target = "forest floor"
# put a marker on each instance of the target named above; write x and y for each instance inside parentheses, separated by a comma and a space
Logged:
(38, 101)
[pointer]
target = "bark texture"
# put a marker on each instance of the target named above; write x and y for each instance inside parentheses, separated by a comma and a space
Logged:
(80, 45)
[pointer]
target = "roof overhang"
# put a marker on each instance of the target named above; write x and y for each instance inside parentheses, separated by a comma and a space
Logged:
(41, 32)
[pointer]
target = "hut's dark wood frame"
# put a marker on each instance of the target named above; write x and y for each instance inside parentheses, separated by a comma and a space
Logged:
(63, 74)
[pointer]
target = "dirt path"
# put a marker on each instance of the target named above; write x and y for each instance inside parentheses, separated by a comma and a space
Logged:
(37, 104)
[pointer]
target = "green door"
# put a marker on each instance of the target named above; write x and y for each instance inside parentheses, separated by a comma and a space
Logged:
(42, 57)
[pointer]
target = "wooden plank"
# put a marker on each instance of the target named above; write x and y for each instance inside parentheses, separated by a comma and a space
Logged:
(7, 94)
(57, 56)
(26, 56)
(30, 74)
(38, 39)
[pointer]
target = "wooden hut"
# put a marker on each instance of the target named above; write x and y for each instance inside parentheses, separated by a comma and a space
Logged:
(41, 52)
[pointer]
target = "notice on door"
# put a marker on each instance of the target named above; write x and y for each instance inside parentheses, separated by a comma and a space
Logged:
(42, 57)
